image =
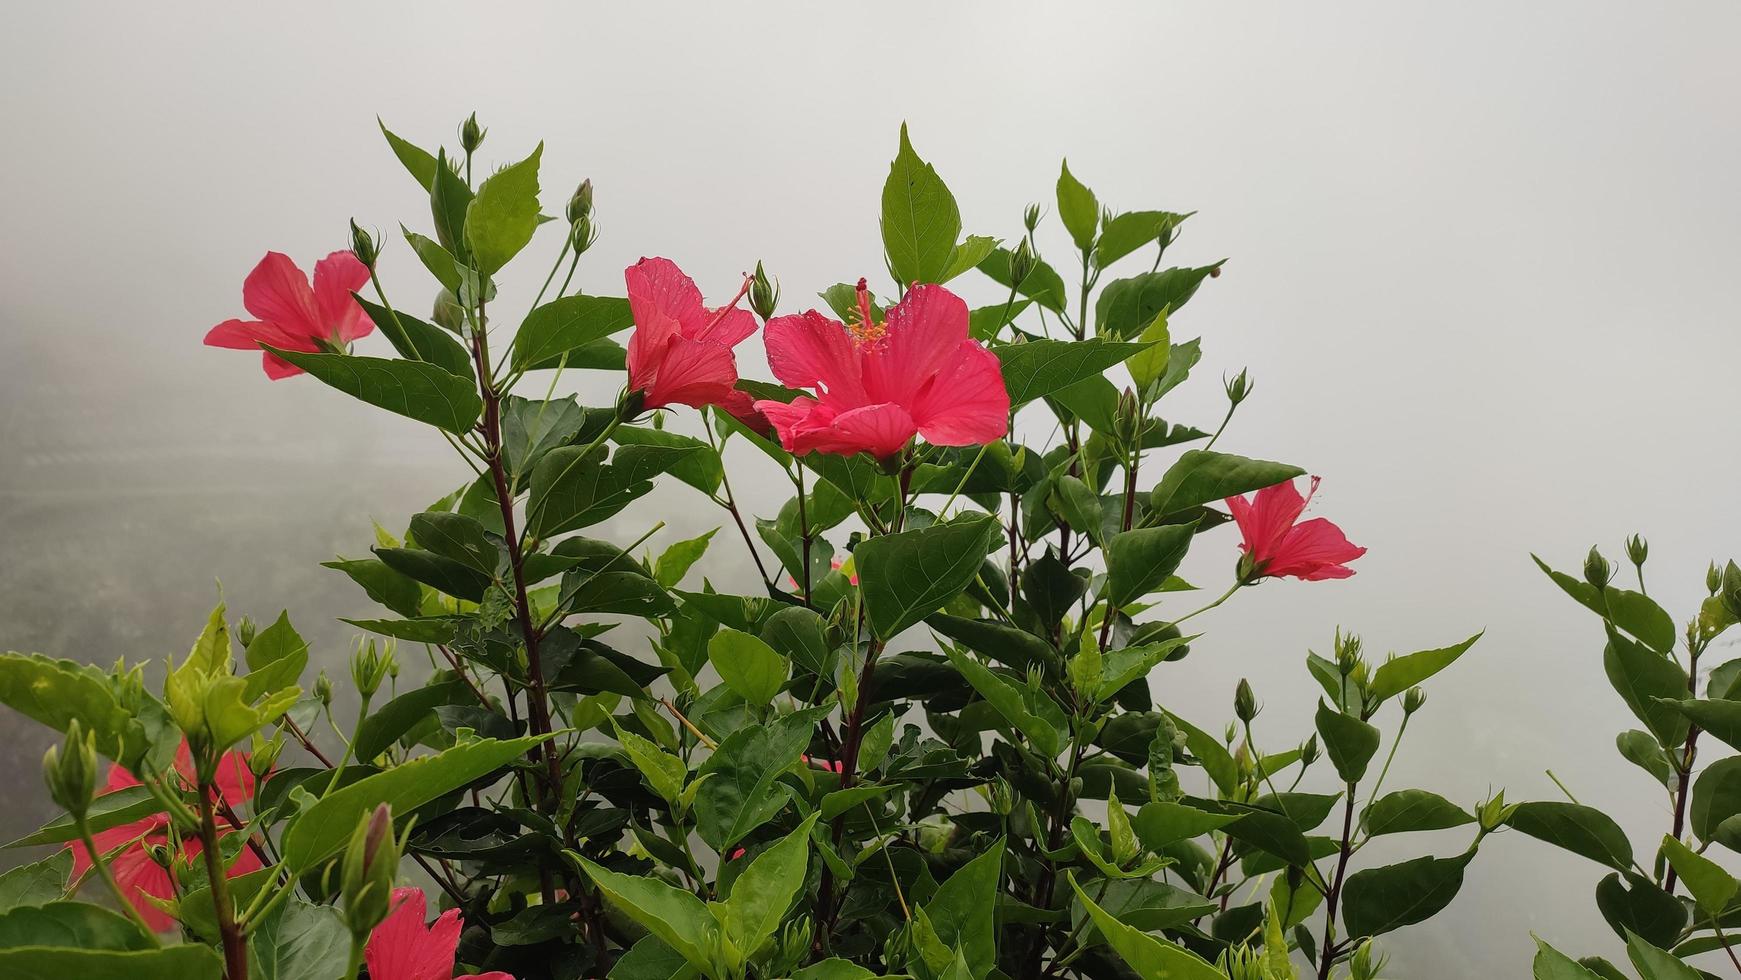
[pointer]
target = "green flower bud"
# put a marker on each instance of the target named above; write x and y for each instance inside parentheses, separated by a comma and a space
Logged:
(1239, 388)
(582, 234)
(1732, 589)
(245, 631)
(1245, 702)
(371, 865)
(363, 245)
(471, 135)
(1031, 219)
(1713, 579)
(1348, 647)
(72, 775)
(1309, 750)
(263, 754)
(1128, 421)
(1492, 813)
(764, 293)
(1022, 262)
(1597, 570)
(580, 205)
(1637, 549)
(1366, 963)
(323, 689)
(370, 667)
(1412, 700)
(1231, 733)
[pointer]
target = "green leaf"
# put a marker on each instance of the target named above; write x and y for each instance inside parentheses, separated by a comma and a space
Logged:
(1716, 796)
(438, 260)
(182, 962)
(1126, 306)
(1211, 755)
(1638, 614)
(907, 576)
(1638, 905)
(1348, 741)
(677, 917)
(1149, 956)
(123, 806)
(1712, 887)
(71, 924)
(1200, 477)
(748, 666)
(1161, 823)
(1127, 232)
(834, 968)
(456, 537)
(1378, 900)
(324, 828)
(499, 222)
(1036, 368)
(738, 793)
(1398, 674)
(1043, 285)
(387, 723)
(1079, 505)
(1409, 810)
(441, 574)
(276, 659)
(700, 466)
(841, 800)
(1077, 208)
(299, 941)
(573, 488)
(664, 772)
(1149, 366)
(415, 389)
(417, 340)
(1577, 828)
(1551, 964)
(36, 884)
(676, 560)
(968, 255)
(1650, 684)
(1657, 964)
(1027, 711)
(448, 199)
(1139, 562)
(418, 161)
(1123, 667)
(564, 325)
(1585, 593)
(1641, 749)
(55, 692)
(383, 584)
(1720, 718)
(961, 910)
(920, 220)
(764, 891)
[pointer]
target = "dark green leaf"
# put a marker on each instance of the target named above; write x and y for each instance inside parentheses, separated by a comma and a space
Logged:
(439, 573)
(1650, 684)
(1635, 904)
(565, 325)
(383, 584)
(501, 219)
(415, 389)
(1127, 232)
(1201, 477)
(738, 794)
(1411, 810)
(1126, 306)
(1077, 208)
(1035, 368)
(1139, 561)
(919, 219)
(1043, 285)
(1577, 828)
(417, 160)
(1378, 900)
(300, 941)
(907, 576)
(418, 340)
(1716, 796)
(387, 723)
(1348, 741)
(456, 537)
(1398, 674)
(187, 961)
(36, 884)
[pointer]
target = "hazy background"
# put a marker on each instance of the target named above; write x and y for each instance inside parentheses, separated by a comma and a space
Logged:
(1482, 269)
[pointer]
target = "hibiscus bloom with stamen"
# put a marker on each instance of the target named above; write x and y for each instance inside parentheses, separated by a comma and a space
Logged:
(1276, 544)
(681, 351)
(295, 316)
(880, 384)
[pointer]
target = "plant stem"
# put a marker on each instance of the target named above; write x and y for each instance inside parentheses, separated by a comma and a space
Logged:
(1326, 954)
(356, 960)
(84, 828)
(234, 943)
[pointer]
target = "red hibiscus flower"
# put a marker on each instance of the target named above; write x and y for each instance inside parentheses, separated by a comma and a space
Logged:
(1275, 545)
(680, 352)
(402, 947)
(293, 316)
(880, 384)
(134, 870)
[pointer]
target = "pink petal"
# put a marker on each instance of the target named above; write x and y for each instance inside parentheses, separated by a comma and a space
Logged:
(1314, 550)
(925, 330)
(336, 277)
(664, 303)
(278, 292)
(787, 419)
(277, 368)
(808, 350)
(139, 876)
(731, 327)
(403, 948)
(880, 430)
(966, 404)
(1273, 510)
(692, 372)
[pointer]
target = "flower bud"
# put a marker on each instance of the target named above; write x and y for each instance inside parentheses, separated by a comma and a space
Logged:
(323, 689)
(371, 865)
(245, 631)
(1493, 812)
(1031, 218)
(1231, 733)
(1347, 652)
(1732, 589)
(363, 245)
(1309, 750)
(1597, 570)
(1366, 963)
(1412, 700)
(370, 667)
(1713, 579)
(447, 312)
(263, 754)
(582, 234)
(1128, 421)
(72, 775)
(580, 205)
(1239, 388)
(764, 293)
(1637, 549)
(1245, 702)
(1021, 262)
(471, 135)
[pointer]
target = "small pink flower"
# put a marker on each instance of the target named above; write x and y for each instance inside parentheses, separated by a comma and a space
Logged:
(880, 384)
(142, 878)
(403, 947)
(1278, 546)
(681, 351)
(825, 765)
(293, 316)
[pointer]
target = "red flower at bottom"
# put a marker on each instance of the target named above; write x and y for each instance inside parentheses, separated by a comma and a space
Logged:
(1276, 545)
(402, 947)
(141, 878)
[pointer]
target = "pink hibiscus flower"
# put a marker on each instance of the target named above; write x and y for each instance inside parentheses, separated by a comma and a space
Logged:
(402, 947)
(880, 384)
(141, 878)
(1275, 545)
(681, 351)
(293, 316)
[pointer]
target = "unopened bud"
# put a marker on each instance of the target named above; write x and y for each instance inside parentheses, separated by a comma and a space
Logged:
(1021, 263)
(447, 312)
(370, 667)
(1245, 702)
(323, 689)
(580, 205)
(1713, 579)
(1230, 733)
(1031, 218)
(1239, 388)
(1637, 549)
(1412, 700)
(263, 754)
(1348, 647)
(1309, 750)
(1492, 813)
(72, 774)
(363, 245)
(582, 234)
(371, 865)
(1732, 589)
(764, 293)
(1597, 570)
(245, 631)
(471, 135)
(1128, 421)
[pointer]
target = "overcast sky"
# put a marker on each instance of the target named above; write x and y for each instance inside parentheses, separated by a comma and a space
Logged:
(1481, 266)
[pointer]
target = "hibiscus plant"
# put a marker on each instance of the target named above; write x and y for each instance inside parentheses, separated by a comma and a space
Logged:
(924, 744)
(1683, 904)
